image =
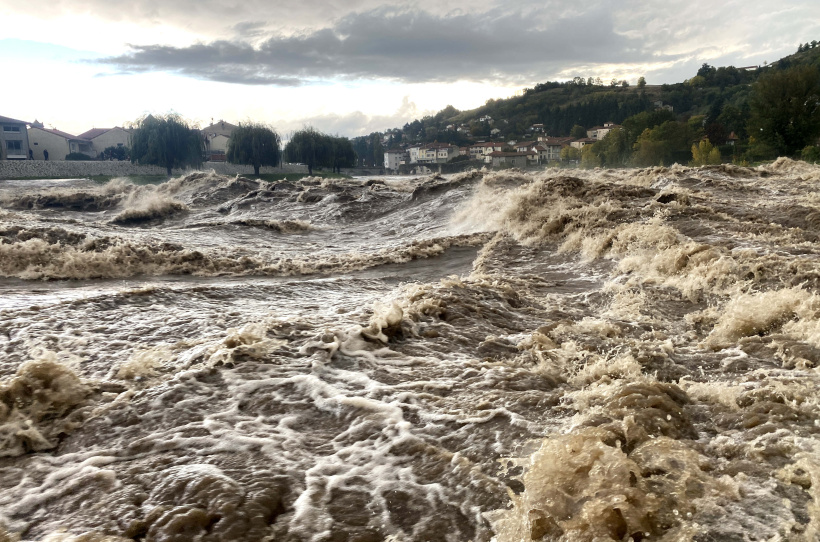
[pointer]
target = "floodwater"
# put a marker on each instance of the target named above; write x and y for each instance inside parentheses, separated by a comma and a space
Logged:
(568, 355)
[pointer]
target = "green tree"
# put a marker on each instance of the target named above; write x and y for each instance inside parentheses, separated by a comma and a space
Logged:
(785, 109)
(590, 158)
(616, 148)
(115, 153)
(667, 143)
(341, 154)
(167, 141)
(811, 154)
(704, 153)
(378, 151)
(316, 149)
(254, 144)
(570, 153)
(578, 132)
(307, 146)
(641, 82)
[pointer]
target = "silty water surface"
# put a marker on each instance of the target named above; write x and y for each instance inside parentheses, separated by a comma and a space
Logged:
(597, 355)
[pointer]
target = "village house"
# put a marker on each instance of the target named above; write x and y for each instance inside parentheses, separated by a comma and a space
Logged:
(413, 152)
(445, 153)
(537, 128)
(524, 146)
(103, 138)
(14, 142)
(581, 143)
(427, 155)
(512, 159)
(52, 144)
(553, 146)
(480, 151)
(217, 137)
(599, 132)
(394, 158)
(542, 154)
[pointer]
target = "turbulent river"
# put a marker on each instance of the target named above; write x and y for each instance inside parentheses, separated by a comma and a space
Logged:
(491, 356)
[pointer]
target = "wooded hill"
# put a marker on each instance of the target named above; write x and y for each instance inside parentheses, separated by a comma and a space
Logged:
(716, 102)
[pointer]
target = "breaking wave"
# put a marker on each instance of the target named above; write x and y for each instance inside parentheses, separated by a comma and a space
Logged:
(629, 355)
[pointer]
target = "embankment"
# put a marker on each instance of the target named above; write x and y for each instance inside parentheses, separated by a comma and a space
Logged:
(25, 169)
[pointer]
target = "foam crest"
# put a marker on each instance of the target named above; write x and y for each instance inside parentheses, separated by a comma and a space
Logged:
(755, 314)
(38, 404)
(143, 207)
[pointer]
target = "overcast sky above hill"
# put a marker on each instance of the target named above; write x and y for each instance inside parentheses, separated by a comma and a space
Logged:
(355, 66)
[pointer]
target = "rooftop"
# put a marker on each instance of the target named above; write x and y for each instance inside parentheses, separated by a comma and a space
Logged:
(8, 120)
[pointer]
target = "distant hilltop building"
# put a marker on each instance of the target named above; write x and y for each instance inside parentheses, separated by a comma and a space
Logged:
(598, 132)
(217, 136)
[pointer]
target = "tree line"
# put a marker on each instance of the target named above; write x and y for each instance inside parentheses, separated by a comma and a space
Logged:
(782, 119)
(171, 142)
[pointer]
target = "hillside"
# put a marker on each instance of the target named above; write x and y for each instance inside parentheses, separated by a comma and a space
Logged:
(721, 95)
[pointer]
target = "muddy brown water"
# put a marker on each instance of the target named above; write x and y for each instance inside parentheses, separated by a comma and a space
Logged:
(568, 355)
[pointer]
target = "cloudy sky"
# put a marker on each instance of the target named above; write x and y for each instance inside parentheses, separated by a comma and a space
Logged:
(355, 66)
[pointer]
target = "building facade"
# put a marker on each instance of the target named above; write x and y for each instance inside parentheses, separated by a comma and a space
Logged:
(103, 138)
(14, 142)
(50, 144)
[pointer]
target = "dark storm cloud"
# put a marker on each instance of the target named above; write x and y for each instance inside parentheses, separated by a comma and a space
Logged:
(407, 46)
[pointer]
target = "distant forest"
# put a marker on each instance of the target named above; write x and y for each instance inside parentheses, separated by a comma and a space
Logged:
(747, 114)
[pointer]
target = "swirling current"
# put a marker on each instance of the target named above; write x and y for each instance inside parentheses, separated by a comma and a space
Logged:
(563, 355)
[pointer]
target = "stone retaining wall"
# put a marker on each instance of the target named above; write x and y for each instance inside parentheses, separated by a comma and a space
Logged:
(20, 169)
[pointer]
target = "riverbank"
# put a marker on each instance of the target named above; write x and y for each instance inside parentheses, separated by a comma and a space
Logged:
(38, 169)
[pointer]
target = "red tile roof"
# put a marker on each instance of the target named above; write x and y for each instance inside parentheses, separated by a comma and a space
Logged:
(94, 132)
(61, 134)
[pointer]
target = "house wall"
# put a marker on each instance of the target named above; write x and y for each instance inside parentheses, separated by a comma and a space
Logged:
(392, 160)
(115, 137)
(509, 161)
(8, 133)
(219, 144)
(414, 154)
(40, 140)
(445, 154)
(84, 147)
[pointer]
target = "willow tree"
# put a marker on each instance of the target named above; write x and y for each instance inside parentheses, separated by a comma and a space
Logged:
(316, 149)
(167, 141)
(307, 146)
(254, 144)
(341, 153)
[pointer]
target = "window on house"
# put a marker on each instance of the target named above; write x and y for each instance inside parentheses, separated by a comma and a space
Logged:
(14, 145)
(11, 129)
